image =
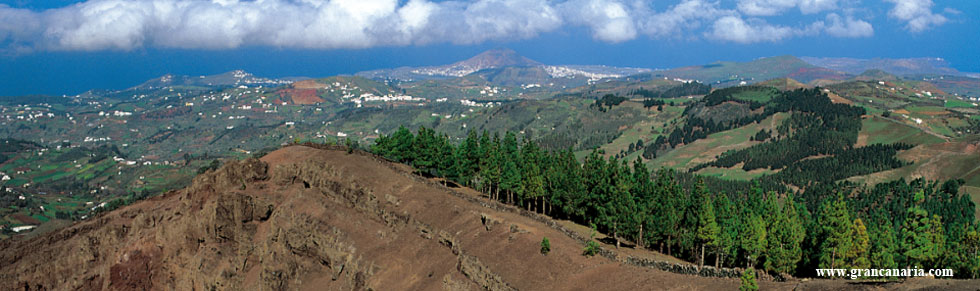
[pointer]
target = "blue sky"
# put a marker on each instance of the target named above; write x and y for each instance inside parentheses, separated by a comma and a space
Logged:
(67, 47)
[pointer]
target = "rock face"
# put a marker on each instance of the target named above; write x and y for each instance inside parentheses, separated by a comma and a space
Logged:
(305, 218)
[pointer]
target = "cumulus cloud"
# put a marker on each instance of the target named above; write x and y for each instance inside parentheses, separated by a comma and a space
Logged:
(917, 14)
(848, 27)
(609, 20)
(685, 16)
(736, 29)
(220, 24)
(773, 7)
(333, 24)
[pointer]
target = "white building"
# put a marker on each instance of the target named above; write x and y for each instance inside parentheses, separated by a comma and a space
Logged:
(23, 228)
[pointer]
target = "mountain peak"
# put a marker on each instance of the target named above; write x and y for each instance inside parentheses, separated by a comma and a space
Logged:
(495, 58)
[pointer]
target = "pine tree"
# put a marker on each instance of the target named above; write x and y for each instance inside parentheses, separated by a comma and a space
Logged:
(468, 160)
(426, 146)
(620, 207)
(510, 173)
(492, 167)
(643, 199)
(728, 244)
(532, 180)
(668, 208)
(510, 178)
(922, 236)
(382, 146)
(884, 247)
(485, 154)
(837, 232)
(754, 241)
(708, 229)
(402, 142)
(595, 182)
(571, 183)
(857, 255)
(786, 234)
(447, 164)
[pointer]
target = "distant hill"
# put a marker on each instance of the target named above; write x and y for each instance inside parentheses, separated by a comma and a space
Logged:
(233, 78)
(876, 75)
(724, 74)
(498, 59)
(963, 86)
(908, 66)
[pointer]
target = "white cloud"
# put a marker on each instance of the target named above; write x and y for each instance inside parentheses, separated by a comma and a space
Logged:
(848, 27)
(17, 26)
(221, 24)
(609, 20)
(682, 17)
(917, 14)
(735, 29)
(332, 24)
(773, 7)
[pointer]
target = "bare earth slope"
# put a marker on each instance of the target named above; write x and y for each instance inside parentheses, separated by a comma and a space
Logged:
(309, 219)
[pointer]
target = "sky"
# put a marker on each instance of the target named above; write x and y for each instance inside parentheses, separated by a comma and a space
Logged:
(60, 47)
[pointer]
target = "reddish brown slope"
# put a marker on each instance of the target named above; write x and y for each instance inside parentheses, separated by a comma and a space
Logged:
(310, 219)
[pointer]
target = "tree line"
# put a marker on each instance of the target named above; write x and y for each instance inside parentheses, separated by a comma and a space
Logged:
(893, 226)
(686, 89)
(817, 126)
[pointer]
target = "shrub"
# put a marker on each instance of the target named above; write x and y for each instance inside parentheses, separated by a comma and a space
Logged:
(591, 248)
(545, 246)
(748, 281)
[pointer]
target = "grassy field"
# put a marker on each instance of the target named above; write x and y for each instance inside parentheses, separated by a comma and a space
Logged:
(927, 110)
(706, 150)
(957, 103)
(880, 130)
(647, 130)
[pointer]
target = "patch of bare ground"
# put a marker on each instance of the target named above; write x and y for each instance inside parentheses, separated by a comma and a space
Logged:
(838, 99)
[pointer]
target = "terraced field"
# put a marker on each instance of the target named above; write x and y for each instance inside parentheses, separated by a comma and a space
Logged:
(881, 130)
